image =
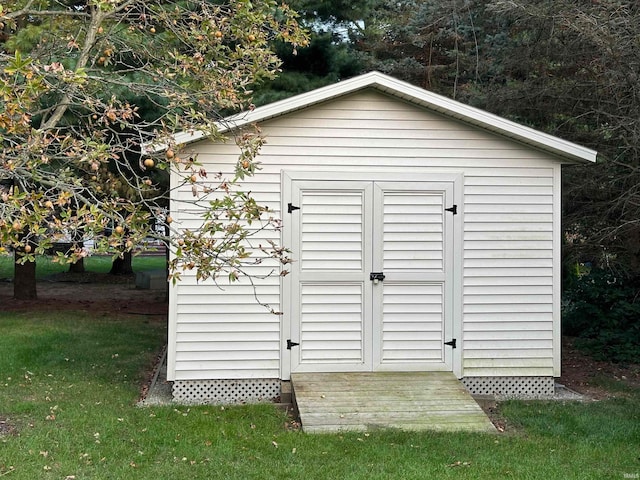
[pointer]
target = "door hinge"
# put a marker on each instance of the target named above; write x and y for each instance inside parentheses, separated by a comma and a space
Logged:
(291, 344)
(291, 207)
(452, 343)
(453, 209)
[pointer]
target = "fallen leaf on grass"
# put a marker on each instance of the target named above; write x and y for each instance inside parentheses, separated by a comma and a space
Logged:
(4, 472)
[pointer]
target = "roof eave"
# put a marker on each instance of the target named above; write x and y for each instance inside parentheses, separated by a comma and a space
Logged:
(488, 121)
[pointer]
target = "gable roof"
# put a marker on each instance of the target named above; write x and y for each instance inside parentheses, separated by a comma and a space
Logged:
(412, 94)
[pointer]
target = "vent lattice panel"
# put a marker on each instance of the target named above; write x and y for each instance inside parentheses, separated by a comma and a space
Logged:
(510, 386)
(226, 391)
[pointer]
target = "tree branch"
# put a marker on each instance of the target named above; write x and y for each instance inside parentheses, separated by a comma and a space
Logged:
(27, 11)
(97, 18)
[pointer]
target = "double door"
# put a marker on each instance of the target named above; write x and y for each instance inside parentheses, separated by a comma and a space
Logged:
(370, 284)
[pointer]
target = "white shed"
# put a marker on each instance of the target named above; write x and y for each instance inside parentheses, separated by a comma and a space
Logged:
(425, 236)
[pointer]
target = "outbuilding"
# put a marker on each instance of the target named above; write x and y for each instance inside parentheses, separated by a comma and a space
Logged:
(425, 236)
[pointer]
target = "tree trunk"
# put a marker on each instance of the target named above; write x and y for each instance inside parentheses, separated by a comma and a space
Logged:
(24, 280)
(122, 265)
(78, 266)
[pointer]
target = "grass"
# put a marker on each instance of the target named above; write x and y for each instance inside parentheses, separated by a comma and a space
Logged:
(45, 265)
(613, 384)
(69, 384)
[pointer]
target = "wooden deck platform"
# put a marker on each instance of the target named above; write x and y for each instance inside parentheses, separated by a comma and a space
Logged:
(332, 402)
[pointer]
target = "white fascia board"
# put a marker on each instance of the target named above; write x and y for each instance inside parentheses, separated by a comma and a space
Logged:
(412, 94)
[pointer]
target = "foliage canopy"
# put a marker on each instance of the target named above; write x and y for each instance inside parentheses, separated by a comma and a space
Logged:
(85, 85)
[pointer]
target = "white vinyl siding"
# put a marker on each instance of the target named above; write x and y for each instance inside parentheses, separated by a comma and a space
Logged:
(222, 331)
(509, 267)
(508, 260)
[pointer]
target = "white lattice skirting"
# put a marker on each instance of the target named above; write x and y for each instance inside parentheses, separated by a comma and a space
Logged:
(269, 390)
(510, 386)
(226, 391)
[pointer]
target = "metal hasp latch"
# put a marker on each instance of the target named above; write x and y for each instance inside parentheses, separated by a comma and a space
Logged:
(452, 343)
(376, 277)
(291, 344)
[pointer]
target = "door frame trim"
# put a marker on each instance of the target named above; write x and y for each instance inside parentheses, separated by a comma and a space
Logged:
(287, 177)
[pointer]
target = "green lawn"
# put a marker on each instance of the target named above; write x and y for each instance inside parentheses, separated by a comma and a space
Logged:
(45, 265)
(69, 384)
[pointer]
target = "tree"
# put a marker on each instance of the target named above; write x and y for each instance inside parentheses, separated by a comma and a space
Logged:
(435, 45)
(572, 69)
(327, 57)
(85, 85)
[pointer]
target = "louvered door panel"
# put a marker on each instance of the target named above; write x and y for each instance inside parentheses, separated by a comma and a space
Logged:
(412, 322)
(332, 258)
(410, 248)
(331, 233)
(413, 231)
(331, 323)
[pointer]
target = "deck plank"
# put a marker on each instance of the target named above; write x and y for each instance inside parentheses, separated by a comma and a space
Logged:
(333, 402)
